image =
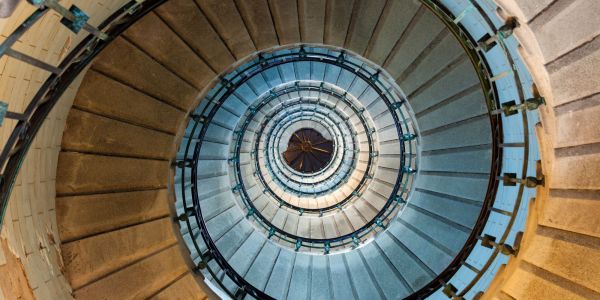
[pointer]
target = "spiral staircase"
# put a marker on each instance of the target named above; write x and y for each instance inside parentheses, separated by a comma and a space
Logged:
(305, 149)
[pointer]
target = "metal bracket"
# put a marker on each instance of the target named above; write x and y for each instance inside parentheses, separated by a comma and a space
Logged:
(408, 170)
(236, 188)
(184, 163)
(511, 108)
(73, 18)
(3, 111)
(399, 199)
(375, 76)
(379, 223)
(451, 291)
(510, 179)
(488, 42)
(250, 212)
(489, 241)
(355, 241)
(271, 232)
(189, 211)
(327, 247)
(408, 137)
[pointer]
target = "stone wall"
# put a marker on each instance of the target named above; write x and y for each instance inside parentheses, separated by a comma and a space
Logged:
(30, 244)
(560, 255)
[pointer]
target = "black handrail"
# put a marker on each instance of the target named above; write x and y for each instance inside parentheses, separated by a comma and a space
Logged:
(303, 55)
(30, 121)
(224, 92)
(269, 135)
(270, 191)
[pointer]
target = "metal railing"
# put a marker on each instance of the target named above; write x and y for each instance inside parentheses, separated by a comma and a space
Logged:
(480, 245)
(277, 158)
(407, 161)
(199, 126)
(61, 76)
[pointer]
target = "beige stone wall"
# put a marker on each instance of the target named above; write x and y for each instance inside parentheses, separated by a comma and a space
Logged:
(560, 256)
(29, 233)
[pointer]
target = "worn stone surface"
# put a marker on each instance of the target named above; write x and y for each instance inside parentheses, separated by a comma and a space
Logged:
(184, 288)
(362, 25)
(86, 132)
(527, 285)
(258, 21)
(570, 256)
(527, 9)
(578, 123)
(582, 208)
(139, 280)
(80, 216)
(577, 169)
(575, 75)
(285, 16)
(394, 19)
(227, 21)
(126, 63)
(13, 282)
(571, 22)
(88, 259)
(412, 43)
(339, 13)
(156, 38)
(311, 14)
(192, 25)
(79, 173)
(102, 95)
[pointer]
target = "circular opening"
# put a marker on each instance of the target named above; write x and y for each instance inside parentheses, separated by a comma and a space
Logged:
(308, 151)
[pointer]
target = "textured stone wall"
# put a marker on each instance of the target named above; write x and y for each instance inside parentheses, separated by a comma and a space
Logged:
(560, 257)
(30, 244)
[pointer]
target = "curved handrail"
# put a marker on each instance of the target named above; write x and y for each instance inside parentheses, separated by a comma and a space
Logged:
(289, 205)
(280, 92)
(477, 56)
(38, 108)
(360, 71)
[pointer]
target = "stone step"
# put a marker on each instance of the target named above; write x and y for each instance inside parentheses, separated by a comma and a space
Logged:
(80, 216)
(257, 18)
(184, 17)
(86, 132)
(154, 37)
(89, 259)
(184, 288)
(559, 253)
(104, 96)
(227, 21)
(126, 63)
(79, 173)
(140, 280)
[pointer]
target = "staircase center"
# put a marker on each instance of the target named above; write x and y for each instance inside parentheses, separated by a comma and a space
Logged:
(308, 151)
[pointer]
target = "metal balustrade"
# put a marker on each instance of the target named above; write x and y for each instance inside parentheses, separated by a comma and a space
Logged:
(61, 76)
(474, 269)
(270, 148)
(399, 191)
(346, 171)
